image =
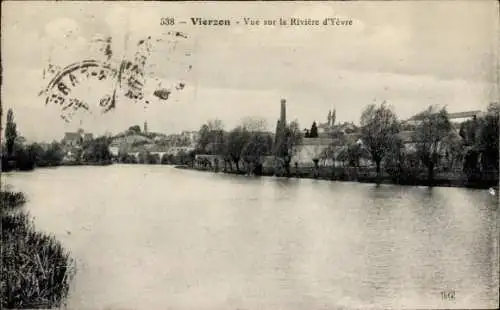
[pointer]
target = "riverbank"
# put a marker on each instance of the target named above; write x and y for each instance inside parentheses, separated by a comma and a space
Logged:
(419, 178)
(87, 163)
(14, 166)
(36, 269)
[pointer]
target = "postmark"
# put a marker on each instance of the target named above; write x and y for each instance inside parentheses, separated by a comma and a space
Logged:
(128, 77)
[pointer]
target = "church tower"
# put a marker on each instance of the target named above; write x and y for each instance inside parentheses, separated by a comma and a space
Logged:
(333, 116)
(145, 130)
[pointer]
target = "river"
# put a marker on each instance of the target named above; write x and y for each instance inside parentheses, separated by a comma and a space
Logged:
(156, 237)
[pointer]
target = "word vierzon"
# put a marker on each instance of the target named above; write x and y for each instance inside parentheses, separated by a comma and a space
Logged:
(197, 21)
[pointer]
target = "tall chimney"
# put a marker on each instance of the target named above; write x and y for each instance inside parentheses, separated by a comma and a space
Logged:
(283, 112)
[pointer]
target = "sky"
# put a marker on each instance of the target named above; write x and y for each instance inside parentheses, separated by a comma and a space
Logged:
(411, 54)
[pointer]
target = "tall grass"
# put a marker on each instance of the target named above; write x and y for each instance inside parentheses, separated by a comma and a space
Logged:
(36, 269)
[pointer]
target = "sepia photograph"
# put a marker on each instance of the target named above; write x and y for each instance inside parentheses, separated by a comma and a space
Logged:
(250, 155)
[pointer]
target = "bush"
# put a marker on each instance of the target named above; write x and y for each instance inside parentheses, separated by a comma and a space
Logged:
(11, 200)
(36, 270)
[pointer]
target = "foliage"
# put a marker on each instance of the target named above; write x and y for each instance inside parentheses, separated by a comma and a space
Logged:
(11, 200)
(36, 270)
(33, 155)
(10, 132)
(123, 157)
(488, 136)
(181, 158)
(211, 137)
(468, 131)
(453, 146)
(236, 142)
(97, 150)
(259, 144)
(328, 153)
(401, 163)
(167, 159)
(313, 133)
(52, 156)
(293, 137)
(287, 140)
(379, 128)
(352, 154)
(135, 129)
(152, 159)
(429, 135)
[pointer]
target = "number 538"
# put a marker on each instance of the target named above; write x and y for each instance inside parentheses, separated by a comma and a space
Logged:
(167, 21)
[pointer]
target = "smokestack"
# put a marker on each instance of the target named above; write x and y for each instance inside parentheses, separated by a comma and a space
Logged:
(283, 112)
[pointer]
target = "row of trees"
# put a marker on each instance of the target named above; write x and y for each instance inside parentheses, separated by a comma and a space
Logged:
(26, 156)
(434, 142)
(248, 143)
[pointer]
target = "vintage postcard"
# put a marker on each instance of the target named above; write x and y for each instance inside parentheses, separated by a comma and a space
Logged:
(250, 155)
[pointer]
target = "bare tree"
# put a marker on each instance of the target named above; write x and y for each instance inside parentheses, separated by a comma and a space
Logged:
(254, 123)
(215, 125)
(379, 128)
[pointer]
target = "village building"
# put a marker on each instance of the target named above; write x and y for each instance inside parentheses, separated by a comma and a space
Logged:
(332, 139)
(72, 144)
(73, 139)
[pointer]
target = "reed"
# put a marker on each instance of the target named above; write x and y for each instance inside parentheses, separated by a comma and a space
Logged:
(36, 269)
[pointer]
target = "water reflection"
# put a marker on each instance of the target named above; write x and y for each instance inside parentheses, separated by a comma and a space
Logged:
(185, 239)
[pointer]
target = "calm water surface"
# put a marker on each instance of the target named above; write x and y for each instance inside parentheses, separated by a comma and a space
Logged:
(155, 237)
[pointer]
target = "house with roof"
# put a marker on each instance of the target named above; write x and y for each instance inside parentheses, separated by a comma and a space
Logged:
(72, 144)
(75, 139)
(455, 117)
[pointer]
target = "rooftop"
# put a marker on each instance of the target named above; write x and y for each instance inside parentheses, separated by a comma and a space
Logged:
(463, 114)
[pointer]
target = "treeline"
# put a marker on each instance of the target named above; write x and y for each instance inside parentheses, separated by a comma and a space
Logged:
(248, 143)
(434, 145)
(19, 155)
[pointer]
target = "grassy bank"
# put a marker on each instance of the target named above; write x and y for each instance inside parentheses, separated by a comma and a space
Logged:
(366, 175)
(36, 269)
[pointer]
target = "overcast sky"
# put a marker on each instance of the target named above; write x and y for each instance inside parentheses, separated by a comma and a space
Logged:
(412, 54)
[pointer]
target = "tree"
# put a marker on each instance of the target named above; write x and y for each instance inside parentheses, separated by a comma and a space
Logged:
(236, 141)
(10, 133)
(259, 144)
(287, 141)
(313, 133)
(488, 136)
(204, 137)
(97, 150)
(211, 135)
(352, 153)
(55, 154)
(328, 153)
(453, 147)
(254, 124)
(379, 128)
(468, 131)
(429, 135)
(181, 158)
(135, 129)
